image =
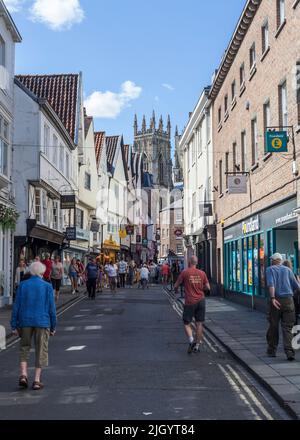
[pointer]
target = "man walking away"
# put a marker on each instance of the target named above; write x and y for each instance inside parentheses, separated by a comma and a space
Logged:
(34, 316)
(112, 276)
(91, 271)
(281, 283)
(195, 283)
(144, 276)
(122, 272)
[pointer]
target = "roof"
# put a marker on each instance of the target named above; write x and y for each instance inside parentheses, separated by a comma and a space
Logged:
(235, 43)
(61, 91)
(87, 123)
(10, 23)
(99, 143)
(126, 152)
(111, 148)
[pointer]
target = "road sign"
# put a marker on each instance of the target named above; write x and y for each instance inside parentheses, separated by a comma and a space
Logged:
(71, 234)
(277, 141)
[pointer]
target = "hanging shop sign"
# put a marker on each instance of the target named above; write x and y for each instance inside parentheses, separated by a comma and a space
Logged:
(95, 227)
(68, 201)
(145, 242)
(237, 184)
(251, 225)
(277, 141)
(71, 234)
(206, 209)
(122, 233)
(130, 230)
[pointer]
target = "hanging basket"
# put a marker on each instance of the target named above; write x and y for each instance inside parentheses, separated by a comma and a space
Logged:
(8, 218)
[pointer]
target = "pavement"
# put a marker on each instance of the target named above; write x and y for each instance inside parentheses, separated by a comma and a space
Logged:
(124, 357)
(242, 332)
(65, 299)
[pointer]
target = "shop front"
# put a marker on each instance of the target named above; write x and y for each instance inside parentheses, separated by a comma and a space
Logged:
(110, 250)
(205, 250)
(249, 245)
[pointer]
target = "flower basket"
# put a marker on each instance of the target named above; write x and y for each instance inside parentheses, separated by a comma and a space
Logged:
(8, 218)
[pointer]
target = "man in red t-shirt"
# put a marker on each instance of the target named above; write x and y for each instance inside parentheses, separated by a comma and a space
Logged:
(165, 271)
(195, 283)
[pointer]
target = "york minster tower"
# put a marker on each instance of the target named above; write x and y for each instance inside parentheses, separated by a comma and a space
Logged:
(155, 145)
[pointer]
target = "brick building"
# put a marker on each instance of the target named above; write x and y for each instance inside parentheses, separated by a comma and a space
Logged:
(257, 86)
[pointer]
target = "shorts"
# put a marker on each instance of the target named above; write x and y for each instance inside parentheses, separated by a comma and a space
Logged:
(41, 340)
(196, 311)
(73, 275)
(56, 284)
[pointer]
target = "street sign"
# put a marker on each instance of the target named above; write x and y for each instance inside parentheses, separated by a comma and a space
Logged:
(178, 233)
(122, 233)
(71, 234)
(130, 230)
(145, 242)
(277, 141)
(138, 238)
(237, 184)
(68, 201)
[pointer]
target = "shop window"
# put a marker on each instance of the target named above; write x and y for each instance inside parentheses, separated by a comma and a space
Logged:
(262, 264)
(256, 264)
(250, 265)
(238, 266)
(244, 265)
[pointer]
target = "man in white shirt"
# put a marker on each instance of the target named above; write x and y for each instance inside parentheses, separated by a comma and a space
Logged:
(144, 276)
(112, 276)
(122, 272)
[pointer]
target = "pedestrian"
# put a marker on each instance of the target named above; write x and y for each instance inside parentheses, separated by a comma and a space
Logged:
(165, 271)
(130, 274)
(122, 266)
(56, 276)
(112, 276)
(281, 283)
(48, 263)
(152, 269)
(21, 270)
(144, 276)
(34, 316)
(91, 272)
(195, 284)
(73, 275)
(289, 264)
(100, 279)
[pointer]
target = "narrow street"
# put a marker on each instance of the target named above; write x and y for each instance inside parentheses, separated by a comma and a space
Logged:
(125, 358)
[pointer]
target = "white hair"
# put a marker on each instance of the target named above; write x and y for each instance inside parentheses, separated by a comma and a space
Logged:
(37, 268)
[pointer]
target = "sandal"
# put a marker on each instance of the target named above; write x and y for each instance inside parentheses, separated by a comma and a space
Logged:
(37, 386)
(23, 382)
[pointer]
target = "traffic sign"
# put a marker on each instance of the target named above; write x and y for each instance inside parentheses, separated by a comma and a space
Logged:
(277, 141)
(178, 233)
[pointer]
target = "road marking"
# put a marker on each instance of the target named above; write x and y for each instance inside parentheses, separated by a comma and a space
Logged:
(85, 310)
(93, 327)
(250, 393)
(238, 391)
(76, 348)
(108, 310)
(147, 413)
(78, 316)
(101, 314)
(69, 329)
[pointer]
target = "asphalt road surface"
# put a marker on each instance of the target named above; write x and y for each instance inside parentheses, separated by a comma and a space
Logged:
(125, 358)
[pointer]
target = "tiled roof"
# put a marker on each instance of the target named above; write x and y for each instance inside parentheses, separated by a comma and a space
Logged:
(126, 152)
(99, 142)
(61, 91)
(111, 148)
(87, 123)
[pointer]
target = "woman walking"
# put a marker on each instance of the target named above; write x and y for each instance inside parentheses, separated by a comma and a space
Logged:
(56, 276)
(34, 316)
(73, 275)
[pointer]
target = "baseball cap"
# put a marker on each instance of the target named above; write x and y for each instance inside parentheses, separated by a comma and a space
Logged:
(276, 257)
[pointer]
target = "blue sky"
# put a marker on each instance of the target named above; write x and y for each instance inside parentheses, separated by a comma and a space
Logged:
(135, 56)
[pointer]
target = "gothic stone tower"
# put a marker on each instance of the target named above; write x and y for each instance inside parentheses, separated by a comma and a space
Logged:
(154, 142)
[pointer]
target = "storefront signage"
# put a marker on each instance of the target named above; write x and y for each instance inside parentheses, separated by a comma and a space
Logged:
(95, 227)
(206, 209)
(237, 184)
(130, 230)
(68, 201)
(82, 234)
(71, 234)
(251, 225)
(286, 219)
(277, 141)
(145, 242)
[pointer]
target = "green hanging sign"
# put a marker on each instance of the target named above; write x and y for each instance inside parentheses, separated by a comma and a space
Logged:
(277, 141)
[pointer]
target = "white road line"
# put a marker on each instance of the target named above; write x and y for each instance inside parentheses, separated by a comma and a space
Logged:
(69, 329)
(93, 327)
(76, 348)
(240, 394)
(78, 316)
(250, 394)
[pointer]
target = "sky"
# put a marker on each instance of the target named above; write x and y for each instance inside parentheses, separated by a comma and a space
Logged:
(135, 56)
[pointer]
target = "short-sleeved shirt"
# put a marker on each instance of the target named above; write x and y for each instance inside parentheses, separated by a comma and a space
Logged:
(122, 267)
(194, 281)
(112, 271)
(48, 264)
(92, 271)
(165, 269)
(282, 279)
(144, 273)
(56, 271)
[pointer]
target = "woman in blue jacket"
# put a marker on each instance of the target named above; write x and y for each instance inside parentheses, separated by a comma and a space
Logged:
(34, 315)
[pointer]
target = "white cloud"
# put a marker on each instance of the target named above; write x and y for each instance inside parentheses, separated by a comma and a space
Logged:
(13, 5)
(57, 14)
(168, 86)
(110, 104)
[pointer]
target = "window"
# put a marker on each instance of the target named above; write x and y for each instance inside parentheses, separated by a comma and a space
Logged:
(79, 218)
(226, 168)
(254, 142)
(220, 177)
(179, 249)
(265, 37)
(194, 152)
(233, 90)
(267, 119)
(178, 216)
(283, 110)
(234, 163)
(38, 205)
(87, 181)
(194, 206)
(55, 216)
(44, 198)
(208, 127)
(243, 151)
(55, 146)
(67, 166)
(220, 115)
(61, 158)
(280, 12)
(163, 233)
(298, 89)
(46, 139)
(252, 56)
(4, 139)
(242, 74)
(2, 52)
(226, 103)
(163, 249)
